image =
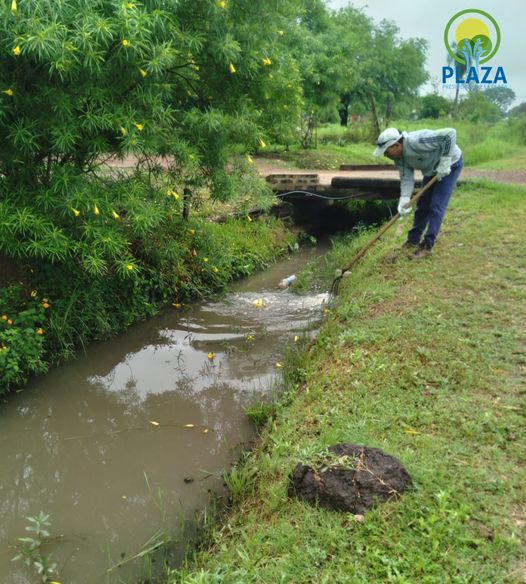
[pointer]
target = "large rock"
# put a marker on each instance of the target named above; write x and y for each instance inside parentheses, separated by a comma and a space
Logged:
(350, 478)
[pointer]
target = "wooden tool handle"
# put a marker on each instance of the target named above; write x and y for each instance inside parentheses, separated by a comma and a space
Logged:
(387, 225)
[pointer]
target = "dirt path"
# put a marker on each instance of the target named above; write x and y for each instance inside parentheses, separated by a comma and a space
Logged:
(267, 167)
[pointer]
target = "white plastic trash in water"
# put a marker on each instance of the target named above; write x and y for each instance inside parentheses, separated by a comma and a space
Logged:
(286, 282)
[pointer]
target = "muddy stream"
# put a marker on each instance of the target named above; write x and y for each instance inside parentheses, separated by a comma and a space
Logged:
(127, 440)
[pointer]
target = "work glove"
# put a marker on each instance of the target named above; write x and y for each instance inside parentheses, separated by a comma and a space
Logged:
(403, 201)
(444, 167)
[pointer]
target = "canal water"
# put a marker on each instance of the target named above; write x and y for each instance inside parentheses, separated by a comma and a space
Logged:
(127, 441)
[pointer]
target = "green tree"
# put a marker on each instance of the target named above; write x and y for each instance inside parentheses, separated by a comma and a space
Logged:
(477, 108)
(195, 80)
(518, 110)
(501, 96)
(435, 106)
(322, 67)
(388, 73)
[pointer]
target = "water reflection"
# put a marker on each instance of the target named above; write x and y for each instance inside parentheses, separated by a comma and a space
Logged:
(104, 444)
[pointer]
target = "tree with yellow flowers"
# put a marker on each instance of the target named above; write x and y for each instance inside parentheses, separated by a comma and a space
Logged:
(195, 80)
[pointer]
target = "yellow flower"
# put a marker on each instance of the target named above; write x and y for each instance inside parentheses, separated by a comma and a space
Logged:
(76, 212)
(262, 143)
(130, 5)
(177, 305)
(249, 218)
(215, 270)
(296, 338)
(266, 62)
(281, 33)
(115, 215)
(231, 68)
(34, 293)
(123, 131)
(16, 51)
(96, 210)
(249, 158)
(125, 42)
(139, 127)
(211, 356)
(191, 231)
(279, 365)
(9, 92)
(13, 6)
(143, 72)
(129, 267)
(259, 303)
(221, 3)
(175, 196)
(205, 260)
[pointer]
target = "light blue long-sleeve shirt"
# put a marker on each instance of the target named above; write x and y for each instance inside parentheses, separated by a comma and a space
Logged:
(423, 150)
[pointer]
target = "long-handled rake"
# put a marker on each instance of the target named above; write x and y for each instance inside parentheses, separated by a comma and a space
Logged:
(361, 253)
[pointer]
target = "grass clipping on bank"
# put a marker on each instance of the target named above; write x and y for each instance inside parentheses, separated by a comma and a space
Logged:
(425, 360)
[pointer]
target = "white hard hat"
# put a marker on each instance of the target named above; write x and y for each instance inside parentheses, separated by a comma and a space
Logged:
(386, 139)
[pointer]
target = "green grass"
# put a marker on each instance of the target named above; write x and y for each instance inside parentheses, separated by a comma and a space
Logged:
(326, 156)
(499, 146)
(427, 361)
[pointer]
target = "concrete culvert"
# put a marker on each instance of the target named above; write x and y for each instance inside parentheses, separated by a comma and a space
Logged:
(349, 477)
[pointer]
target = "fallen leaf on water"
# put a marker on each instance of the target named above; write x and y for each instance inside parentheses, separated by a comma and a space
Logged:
(153, 423)
(205, 431)
(189, 425)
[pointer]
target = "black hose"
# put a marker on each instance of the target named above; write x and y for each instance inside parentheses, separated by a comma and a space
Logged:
(309, 194)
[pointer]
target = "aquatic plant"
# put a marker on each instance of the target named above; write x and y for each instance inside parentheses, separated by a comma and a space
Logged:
(30, 548)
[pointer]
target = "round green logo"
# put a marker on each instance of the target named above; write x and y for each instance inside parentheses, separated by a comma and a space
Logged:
(472, 37)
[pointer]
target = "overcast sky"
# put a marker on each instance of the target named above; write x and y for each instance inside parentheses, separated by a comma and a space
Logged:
(428, 19)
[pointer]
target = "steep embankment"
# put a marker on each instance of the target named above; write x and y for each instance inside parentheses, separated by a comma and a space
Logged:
(427, 361)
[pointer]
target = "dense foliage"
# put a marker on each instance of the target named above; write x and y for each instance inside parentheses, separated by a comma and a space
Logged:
(187, 90)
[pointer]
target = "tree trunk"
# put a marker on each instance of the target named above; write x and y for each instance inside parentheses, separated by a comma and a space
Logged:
(388, 113)
(376, 121)
(343, 110)
(455, 103)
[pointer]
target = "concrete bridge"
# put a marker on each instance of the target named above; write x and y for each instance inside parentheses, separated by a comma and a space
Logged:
(365, 182)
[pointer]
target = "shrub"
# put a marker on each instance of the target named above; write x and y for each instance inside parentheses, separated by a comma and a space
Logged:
(22, 333)
(435, 106)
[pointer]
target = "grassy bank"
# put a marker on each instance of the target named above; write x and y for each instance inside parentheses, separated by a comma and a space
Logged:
(427, 361)
(499, 146)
